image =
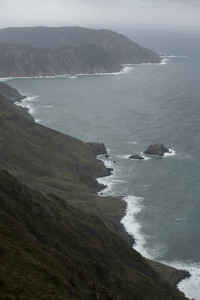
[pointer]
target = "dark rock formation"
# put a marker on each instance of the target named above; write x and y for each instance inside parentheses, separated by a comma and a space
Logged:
(168, 273)
(157, 149)
(97, 148)
(106, 156)
(136, 157)
(110, 170)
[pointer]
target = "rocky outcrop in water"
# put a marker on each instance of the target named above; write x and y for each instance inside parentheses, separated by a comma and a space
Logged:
(136, 157)
(157, 149)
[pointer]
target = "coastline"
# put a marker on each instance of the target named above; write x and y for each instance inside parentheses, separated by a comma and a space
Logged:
(171, 274)
(168, 273)
(126, 68)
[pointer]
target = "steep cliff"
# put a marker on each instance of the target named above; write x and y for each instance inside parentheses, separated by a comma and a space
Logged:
(24, 61)
(10, 93)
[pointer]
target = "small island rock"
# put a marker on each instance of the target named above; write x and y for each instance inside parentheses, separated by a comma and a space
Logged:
(136, 157)
(157, 149)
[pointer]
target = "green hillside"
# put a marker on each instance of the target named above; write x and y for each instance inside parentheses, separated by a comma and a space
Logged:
(58, 240)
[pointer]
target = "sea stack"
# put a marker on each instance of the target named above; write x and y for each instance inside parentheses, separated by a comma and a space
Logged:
(157, 149)
(136, 157)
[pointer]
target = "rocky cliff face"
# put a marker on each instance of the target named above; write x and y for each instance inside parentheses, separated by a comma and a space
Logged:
(19, 61)
(67, 50)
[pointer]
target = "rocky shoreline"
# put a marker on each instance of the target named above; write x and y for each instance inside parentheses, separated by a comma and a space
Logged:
(168, 273)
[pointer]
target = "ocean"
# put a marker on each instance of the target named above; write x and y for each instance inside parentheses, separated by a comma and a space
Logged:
(127, 111)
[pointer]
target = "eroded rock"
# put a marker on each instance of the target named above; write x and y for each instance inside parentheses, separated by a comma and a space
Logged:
(157, 149)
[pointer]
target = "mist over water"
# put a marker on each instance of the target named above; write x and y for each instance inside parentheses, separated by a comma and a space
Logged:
(128, 112)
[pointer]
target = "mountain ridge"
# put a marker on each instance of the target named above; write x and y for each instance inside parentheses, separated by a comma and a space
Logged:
(48, 51)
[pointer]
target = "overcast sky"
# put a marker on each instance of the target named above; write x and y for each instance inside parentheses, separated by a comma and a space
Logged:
(102, 13)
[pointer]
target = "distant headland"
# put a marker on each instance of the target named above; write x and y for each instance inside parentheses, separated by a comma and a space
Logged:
(49, 51)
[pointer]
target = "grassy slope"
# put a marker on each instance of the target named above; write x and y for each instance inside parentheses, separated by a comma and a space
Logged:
(9, 93)
(8, 106)
(45, 158)
(49, 249)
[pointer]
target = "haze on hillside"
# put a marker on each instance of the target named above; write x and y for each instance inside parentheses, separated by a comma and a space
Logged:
(107, 13)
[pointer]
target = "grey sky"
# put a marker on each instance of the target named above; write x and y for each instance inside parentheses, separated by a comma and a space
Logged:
(99, 12)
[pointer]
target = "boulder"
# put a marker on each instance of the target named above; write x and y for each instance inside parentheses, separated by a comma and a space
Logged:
(136, 157)
(110, 170)
(157, 149)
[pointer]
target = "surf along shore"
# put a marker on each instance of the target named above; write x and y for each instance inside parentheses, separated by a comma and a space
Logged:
(171, 274)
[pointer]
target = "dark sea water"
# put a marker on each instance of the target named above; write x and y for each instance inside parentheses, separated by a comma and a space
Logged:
(145, 104)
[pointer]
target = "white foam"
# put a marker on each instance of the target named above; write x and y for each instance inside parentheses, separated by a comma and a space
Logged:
(135, 143)
(5, 79)
(28, 99)
(134, 206)
(38, 121)
(109, 185)
(124, 156)
(30, 108)
(171, 153)
(48, 106)
(145, 156)
(127, 68)
(174, 56)
(28, 103)
(118, 180)
(189, 286)
(108, 164)
(109, 181)
(163, 61)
